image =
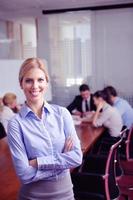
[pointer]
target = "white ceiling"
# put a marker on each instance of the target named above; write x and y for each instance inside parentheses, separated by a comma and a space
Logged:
(24, 8)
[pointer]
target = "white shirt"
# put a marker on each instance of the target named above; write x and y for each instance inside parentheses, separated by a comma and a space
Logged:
(111, 119)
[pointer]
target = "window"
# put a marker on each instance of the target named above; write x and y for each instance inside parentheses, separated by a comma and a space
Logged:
(18, 39)
(68, 53)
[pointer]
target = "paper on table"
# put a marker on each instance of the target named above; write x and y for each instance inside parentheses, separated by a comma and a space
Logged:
(88, 117)
(76, 119)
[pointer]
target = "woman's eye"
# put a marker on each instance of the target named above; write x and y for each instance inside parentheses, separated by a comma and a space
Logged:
(40, 79)
(28, 80)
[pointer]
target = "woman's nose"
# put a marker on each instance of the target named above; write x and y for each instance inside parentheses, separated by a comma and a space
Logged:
(35, 84)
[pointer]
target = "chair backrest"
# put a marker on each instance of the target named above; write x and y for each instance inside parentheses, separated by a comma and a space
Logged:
(123, 133)
(105, 181)
(129, 145)
(108, 141)
(111, 188)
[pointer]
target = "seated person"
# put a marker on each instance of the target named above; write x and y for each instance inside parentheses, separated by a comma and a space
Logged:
(124, 108)
(106, 115)
(8, 109)
(10, 100)
(82, 103)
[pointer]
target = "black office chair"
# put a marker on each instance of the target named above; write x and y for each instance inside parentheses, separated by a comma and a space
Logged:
(129, 145)
(2, 131)
(97, 180)
(108, 141)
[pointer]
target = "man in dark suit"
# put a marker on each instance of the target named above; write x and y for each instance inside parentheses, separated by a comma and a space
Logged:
(83, 103)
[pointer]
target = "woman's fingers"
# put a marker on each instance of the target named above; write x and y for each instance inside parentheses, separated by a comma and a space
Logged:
(68, 144)
(33, 163)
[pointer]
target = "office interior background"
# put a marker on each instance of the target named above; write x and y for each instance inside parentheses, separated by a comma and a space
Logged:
(81, 41)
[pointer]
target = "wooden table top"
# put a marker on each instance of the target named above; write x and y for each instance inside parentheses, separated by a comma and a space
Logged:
(9, 183)
(88, 135)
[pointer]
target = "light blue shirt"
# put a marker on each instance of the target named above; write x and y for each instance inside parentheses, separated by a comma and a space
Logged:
(30, 137)
(125, 110)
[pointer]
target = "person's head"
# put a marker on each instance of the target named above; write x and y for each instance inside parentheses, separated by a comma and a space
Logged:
(84, 91)
(33, 78)
(111, 94)
(10, 100)
(99, 97)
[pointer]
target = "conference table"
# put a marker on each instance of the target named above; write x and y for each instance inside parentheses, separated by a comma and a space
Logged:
(9, 183)
(88, 135)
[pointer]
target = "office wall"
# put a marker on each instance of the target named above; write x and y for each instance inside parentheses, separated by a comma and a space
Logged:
(113, 49)
(9, 70)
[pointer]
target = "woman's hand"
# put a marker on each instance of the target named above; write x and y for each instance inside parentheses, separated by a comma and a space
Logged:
(96, 115)
(100, 106)
(68, 144)
(33, 163)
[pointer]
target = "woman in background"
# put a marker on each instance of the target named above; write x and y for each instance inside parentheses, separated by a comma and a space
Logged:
(8, 108)
(10, 100)
(106, 115)
(42, 140)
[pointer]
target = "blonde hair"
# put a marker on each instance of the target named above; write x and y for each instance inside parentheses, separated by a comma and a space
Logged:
(32, 63)
(9, 98)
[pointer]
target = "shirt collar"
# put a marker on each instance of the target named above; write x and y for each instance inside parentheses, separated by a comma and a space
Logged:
(25, 110)
(105, 106)
(116, 100)
(48, 107)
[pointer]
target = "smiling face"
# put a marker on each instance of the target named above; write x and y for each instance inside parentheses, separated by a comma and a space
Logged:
(34, 85)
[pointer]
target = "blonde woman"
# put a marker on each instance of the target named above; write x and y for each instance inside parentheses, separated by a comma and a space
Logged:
(43, 140)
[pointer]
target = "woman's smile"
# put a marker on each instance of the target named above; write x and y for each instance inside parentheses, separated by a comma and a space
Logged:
(34, 85)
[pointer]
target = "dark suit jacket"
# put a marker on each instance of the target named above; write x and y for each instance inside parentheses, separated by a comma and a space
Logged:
(77, 104)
